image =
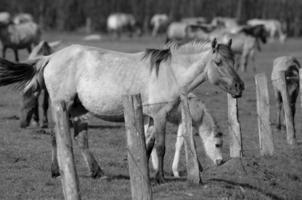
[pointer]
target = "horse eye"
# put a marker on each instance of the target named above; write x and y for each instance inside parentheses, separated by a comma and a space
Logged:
(218, 145)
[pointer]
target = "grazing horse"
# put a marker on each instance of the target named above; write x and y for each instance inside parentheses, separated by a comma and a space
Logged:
(30, 99)
(272, 26)
(119, 22)
(90, 79)
(204, 124)
(159, 22)
(291, 66)
(19, 36)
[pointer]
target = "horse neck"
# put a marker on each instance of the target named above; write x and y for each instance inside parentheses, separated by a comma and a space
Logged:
(187, 67)
(206, 125)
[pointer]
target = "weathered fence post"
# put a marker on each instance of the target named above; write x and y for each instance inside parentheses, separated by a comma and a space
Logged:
(68, 171)
(290, 129)
(300, 82)
(88, 25)
(234, 128)
(263, 112)
(192, 162)
(137, 156)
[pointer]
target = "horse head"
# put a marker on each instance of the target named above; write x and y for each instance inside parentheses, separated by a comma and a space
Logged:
(220, 69)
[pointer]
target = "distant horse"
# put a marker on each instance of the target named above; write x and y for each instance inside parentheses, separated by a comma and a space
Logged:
(228, 23)
(204, 124)
(122, 22)
(159, 22)
(90, 79)
(245, 43)
(5, 17)
(30, 100)
(19, 36)
(291, 66)
(272, 26)
(194, 20)
(23, 18)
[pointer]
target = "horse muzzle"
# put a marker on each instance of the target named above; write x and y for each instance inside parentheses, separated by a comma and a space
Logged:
(236, 89)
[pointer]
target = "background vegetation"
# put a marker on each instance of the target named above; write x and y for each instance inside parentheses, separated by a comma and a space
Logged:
(72, 14)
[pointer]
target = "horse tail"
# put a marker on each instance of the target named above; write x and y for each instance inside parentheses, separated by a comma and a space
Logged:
(27, 75)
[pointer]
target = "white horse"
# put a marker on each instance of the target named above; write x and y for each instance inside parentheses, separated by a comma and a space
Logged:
(203, 123)
(90, 79)
(272, 26)
(291, 66)
(122, 22)
(159, 22)
(19, 36)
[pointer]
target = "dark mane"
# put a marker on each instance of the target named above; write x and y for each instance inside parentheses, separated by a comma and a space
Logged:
(156, 57)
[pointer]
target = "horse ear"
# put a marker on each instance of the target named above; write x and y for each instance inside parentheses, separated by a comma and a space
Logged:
(230, 43)
(214, 43)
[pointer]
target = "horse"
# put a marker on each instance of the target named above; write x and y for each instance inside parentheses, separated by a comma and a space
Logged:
(5, 17)
(272, 26)
(194, 20)
(159, 22)
(19, 36)
(23, 18)
(291, 66)
(202, 122)
(29, 112)
(245, 43)
(90, 79)
(119, 22)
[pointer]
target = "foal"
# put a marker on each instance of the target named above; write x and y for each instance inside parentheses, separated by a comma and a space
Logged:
(291, 66)
(204, 123)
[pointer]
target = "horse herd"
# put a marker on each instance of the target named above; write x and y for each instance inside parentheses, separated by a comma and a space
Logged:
(92, 81)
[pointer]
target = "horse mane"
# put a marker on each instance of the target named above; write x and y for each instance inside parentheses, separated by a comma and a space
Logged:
(157, 56)
(192, 46)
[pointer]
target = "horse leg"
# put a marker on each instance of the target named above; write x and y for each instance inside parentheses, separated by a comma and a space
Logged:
(252, 58)
(29, 108)
(243, 62)
(178, 146)
(29, 49)
(160, 137)
(279, 108)
(45, 105)
(16, 55)
(4, 51)
(81, 134)
(55, 171)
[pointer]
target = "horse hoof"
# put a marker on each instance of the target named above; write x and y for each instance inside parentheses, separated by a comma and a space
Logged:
(96, 171)
(160, 179)
(44, 125)
(55, 172)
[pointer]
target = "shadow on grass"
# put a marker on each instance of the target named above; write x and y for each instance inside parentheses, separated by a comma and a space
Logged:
(13, 117)
(105, 126)
(246, 185)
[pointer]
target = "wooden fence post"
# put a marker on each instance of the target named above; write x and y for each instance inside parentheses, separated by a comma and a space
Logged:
(192, 162)
(290, 129)
(263, 112)
(137, 156)
(234, 128)
(300, 83)
(65, 155)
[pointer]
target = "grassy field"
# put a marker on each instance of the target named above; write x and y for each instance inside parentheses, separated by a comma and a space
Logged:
(25, 154)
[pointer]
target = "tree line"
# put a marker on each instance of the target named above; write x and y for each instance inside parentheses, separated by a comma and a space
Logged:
(70, 15)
